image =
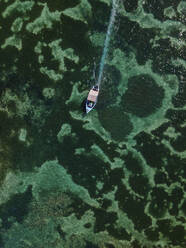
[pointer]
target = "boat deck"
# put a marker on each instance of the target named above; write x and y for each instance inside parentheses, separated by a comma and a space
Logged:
(92, 96)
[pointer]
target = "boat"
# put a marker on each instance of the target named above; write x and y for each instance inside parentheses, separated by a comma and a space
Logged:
(92, 98)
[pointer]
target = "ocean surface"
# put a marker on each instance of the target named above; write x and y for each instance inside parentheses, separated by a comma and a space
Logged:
(115, 178)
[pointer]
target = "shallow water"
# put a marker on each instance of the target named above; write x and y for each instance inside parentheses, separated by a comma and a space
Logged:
(113, 178)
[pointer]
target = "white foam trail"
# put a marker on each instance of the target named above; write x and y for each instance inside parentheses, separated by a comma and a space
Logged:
(107, 40)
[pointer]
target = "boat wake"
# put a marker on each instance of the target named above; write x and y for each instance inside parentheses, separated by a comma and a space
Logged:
(107, 40)
(94, 92)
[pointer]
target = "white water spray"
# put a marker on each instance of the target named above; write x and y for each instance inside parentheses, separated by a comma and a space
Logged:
(107, 40)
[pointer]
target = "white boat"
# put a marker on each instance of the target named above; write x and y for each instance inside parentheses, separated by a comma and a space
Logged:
(92, 98)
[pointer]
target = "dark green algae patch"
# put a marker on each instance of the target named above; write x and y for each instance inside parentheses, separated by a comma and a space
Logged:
(115, 178)
(116, 122)
(148, 96)
(16, 208)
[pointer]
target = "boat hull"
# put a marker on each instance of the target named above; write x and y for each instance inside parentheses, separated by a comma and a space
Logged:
(92, 98)
(88, 109)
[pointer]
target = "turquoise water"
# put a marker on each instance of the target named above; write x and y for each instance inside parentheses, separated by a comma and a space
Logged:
(115, 177)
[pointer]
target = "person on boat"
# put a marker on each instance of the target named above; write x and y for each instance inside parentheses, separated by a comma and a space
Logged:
(95, 88)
